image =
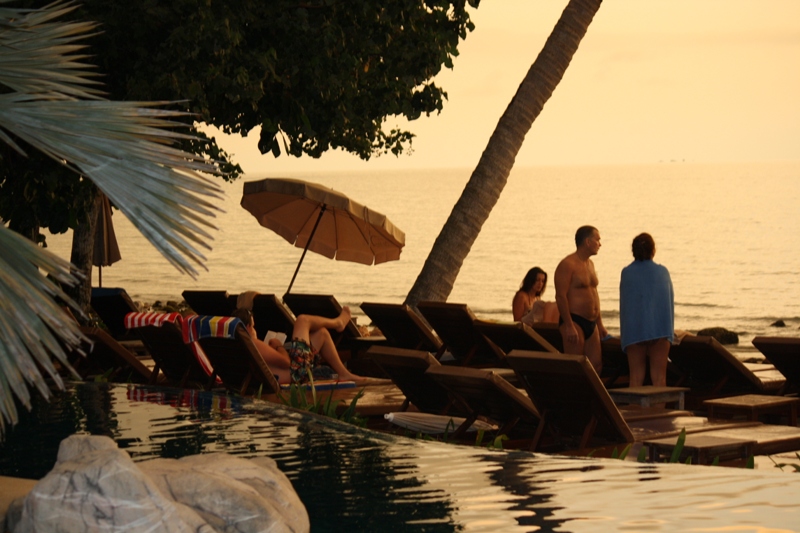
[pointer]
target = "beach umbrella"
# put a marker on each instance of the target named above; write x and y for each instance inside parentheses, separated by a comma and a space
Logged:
(325, 221)
(106, 249)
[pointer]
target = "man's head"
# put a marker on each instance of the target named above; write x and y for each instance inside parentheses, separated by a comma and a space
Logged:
(644, 247)
(588, 237)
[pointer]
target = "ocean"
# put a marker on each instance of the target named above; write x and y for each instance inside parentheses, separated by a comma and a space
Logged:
(728, 233)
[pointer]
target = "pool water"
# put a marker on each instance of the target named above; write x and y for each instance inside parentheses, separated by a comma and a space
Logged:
(355, 479)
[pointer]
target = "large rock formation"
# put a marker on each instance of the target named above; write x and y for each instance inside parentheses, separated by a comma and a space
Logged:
(95, 486)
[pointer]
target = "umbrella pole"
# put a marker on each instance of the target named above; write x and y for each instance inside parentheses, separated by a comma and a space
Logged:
(313, 231)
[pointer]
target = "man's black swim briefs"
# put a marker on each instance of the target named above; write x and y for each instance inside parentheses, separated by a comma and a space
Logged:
(586, 325)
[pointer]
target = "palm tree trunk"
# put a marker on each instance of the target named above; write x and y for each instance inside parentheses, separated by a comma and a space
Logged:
(438, 275)
(81, 257)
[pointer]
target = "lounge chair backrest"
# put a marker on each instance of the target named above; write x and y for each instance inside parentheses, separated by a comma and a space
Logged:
(406, 368)
(514, 336)
(402, 327)
(486, 394)
(615, 362)
(784, 353)
(210, 303)
(111, 305)
(549, 332)
(162, 334)
(232, 354)
(271, 314)
(704, 360)
(454, 323)
(569, 394)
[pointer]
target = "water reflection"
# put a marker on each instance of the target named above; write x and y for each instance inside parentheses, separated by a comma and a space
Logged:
(353, 479)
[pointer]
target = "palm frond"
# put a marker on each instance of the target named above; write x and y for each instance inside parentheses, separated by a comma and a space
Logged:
(120, 146)
(125, 148)
(31, 322)
(40, 53)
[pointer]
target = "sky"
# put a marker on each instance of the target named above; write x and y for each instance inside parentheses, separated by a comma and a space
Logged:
(652, 81)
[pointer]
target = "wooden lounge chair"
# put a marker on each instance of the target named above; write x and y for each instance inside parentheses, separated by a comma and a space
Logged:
(710, 370)
(402, 327)
(455, 325)
(232, 354)
(162, 334)
(407, 368)
(784, 354)
(575, 406)
(210, 303)
(108, 360)
(485, 394)
(111, 305)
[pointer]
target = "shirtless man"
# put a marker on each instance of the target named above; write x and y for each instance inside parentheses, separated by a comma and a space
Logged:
(578, 303)
(310, 346)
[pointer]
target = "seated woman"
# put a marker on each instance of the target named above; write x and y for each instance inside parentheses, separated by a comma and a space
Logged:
(311, 346)
(528, 306)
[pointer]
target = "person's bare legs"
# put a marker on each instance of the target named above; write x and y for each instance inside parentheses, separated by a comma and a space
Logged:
(307, 324)
(658, 352)
(637, 354)
(314, 330)
(321, 340)
(593, 351)
(573, 345)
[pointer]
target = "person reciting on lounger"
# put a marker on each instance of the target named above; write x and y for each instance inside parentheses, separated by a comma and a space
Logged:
(311, 346)
(646, 313)
(578, 302)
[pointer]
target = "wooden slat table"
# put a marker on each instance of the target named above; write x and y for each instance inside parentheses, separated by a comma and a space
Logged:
(649, 395)
(701, 448)
(753, 406)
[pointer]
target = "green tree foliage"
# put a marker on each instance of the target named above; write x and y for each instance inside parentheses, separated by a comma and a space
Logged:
(314, 75)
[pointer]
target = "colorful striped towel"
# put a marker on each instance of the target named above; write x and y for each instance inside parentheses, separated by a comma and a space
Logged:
(138, 320)
(201, 326)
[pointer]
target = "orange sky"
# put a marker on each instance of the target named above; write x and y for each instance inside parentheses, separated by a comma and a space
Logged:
(653, 81)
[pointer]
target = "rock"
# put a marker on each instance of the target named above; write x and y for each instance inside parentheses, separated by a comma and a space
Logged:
(722, 335)
(778, 324)
(95, 486)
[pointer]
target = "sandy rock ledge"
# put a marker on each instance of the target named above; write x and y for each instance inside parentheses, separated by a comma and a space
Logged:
(96, 486)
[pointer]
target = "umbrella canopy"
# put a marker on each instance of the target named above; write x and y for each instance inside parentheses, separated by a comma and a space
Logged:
(325, 221)
(106, 249)
(434, 424)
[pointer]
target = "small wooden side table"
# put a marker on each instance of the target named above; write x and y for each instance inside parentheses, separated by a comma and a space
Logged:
(753, 406)
(648, 395)
(701, 448)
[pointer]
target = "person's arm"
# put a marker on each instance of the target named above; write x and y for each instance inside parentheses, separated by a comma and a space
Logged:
(562, 280)
(518, 306)
(277, 358)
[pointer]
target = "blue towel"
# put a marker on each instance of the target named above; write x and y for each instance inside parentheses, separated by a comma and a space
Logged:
(646, 303)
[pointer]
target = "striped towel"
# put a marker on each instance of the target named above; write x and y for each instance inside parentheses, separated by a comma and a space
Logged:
(138, 320)
(200, 327)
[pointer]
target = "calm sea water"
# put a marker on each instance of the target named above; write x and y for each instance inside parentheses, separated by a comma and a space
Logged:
(357, 480)
(727, 233)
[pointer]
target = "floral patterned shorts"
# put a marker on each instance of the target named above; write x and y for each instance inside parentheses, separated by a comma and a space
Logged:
(302, 360)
